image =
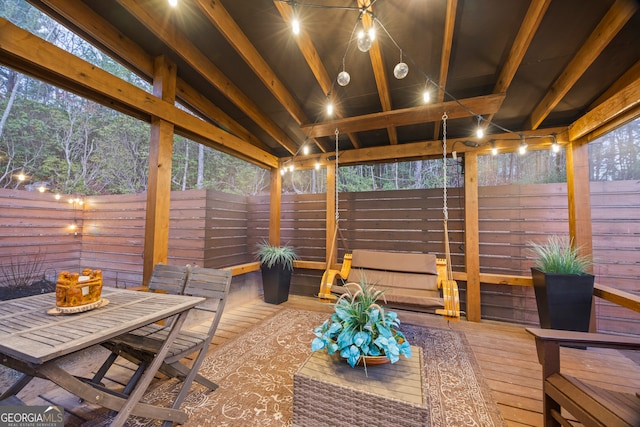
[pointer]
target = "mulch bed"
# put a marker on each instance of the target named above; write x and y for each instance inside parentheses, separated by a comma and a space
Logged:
(39, 287)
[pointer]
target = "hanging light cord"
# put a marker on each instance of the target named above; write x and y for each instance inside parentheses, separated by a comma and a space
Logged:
(335, 174)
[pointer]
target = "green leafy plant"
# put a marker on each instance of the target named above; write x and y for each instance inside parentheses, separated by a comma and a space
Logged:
(361, 327)
(270, 256)
(558, 255)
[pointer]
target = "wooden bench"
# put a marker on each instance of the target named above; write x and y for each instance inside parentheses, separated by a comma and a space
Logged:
(587, 403)
(410, 280)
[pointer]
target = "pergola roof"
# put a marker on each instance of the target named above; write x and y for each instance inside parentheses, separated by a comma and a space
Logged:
(525, 66)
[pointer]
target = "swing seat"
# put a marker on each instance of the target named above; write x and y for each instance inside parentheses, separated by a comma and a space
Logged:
(330, 275)
(409, 280)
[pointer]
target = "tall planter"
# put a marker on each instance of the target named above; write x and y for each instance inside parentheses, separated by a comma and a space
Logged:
(276, 281)
(564, 300)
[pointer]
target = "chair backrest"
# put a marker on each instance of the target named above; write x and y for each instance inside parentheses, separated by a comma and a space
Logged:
(169, 278)
(212, 284)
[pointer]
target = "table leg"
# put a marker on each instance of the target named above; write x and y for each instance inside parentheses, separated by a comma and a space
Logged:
(144, 382)
(16, 387)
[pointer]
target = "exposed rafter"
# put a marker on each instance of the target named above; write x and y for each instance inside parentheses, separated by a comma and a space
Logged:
(379, 70)
(312, 57)
(408, 116)
(617, 16)
(185, 49)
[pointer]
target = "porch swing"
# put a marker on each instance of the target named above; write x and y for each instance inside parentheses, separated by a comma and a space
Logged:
(449, 288)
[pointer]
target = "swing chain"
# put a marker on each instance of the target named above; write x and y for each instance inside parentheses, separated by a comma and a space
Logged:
(337, 132)
(445, 211)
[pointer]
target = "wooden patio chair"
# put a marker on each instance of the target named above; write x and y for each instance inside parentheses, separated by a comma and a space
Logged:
(587, 403)
(141, 345)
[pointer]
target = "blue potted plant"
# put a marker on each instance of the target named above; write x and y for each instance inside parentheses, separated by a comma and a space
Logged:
(360, 330)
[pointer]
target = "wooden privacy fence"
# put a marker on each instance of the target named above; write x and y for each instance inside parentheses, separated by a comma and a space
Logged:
(213, 229)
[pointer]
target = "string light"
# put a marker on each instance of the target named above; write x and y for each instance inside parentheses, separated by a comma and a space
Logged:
(366, 38)
(173, 3)
(295, 26)
(401, 69)
(317, 165)
(555, 147)
(494, 149)
(330, 108)
(523, 145)
(479, 130)
(305, 150)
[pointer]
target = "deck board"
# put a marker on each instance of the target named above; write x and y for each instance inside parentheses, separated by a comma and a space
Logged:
(505, 354)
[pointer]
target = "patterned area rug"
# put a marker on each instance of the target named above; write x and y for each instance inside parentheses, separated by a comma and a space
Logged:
(255, 377)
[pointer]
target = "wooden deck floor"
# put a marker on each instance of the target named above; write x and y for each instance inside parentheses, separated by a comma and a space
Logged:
(506, 354)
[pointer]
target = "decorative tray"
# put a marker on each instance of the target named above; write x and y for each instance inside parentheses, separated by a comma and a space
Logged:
(78, 309)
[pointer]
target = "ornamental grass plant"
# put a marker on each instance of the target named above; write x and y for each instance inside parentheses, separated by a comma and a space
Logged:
(558, 255)
(270, 256)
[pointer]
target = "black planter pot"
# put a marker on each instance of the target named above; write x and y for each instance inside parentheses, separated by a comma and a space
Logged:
(564, 300)
(275, 283)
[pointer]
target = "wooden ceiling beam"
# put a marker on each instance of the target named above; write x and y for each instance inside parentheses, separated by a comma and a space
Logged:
(181, 45)
(613, 21)
(528, 29)
(85, 22)
(617, 105)
(31, 55)
(539, 139)
(447, 43)
(379, 71)
(487, 104)
(312, 57)
(220, 18)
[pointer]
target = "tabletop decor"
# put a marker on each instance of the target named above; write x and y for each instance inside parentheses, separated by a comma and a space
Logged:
(79, 289)
(360, 328)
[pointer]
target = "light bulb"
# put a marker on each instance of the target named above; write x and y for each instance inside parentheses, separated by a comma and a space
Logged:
(522, 149)
(291, 168)
(426, 96)
(282, 171)
(494, 150)
(295, 26)
(364, 40)
(57, 196)
(330, 109)
(41, 189)
(173, 3)
(21, 177)
(344, 78)
(401, 70)
(305, 150)
(479, 132)
(317, 165)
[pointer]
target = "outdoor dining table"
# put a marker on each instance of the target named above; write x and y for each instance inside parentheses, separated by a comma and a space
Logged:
(34, 340)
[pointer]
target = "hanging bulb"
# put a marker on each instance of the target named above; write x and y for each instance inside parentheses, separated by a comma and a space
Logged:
(330, 109)
(317, 165)
(343, 78)
(494, 149)
(58, 196)
(305, 150)
(401, 69)
(173, 3)
(295, 26)
(479, 130)
(426, 96)
(282, 171)
(555, 147)
(291, 168)
(523, 146)
(365, 39)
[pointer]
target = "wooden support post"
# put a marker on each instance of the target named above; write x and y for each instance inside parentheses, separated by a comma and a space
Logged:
(579, 194)
(331, 235)
(156, 234)
(471, 236)
(275, 207)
